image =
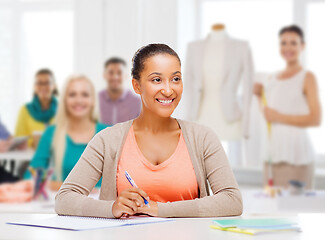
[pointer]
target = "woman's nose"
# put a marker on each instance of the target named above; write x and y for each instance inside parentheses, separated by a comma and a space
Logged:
(167, 90)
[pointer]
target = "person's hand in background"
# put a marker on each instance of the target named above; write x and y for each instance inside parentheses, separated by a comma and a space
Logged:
(55, 185)
(258, 89)
(5, 145)
(19, 192)
(22, 146)
(271, 115)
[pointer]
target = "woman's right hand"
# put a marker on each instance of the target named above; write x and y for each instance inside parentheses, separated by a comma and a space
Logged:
(128, 202)
(258, 89)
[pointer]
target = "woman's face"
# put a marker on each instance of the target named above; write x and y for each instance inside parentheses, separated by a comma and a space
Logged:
(79, 100)
(160, 84)
(44, 86)
(291, 46)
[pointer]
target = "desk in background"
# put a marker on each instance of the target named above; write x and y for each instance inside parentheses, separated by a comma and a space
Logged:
(16, 161)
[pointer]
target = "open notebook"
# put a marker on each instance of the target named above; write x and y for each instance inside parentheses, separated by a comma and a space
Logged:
(86, 223)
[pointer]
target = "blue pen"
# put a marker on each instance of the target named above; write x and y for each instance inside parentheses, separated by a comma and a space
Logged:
(128, 177)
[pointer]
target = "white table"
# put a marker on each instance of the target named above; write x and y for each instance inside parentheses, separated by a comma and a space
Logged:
(180, 229)
(311, 223)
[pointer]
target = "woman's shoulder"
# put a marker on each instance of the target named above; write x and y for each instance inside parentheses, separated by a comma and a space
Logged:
(117, 131)
(195, 129)
(309, 76)
(199, 137)
(310, 80)
(23, 110)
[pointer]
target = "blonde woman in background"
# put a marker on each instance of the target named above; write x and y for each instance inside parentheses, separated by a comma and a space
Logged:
(36, 115)
(76, 123)
(293, 106)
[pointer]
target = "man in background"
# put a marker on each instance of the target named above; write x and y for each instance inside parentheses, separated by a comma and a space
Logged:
(116, 103)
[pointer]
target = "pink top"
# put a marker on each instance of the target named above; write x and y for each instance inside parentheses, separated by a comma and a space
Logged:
(172, 180)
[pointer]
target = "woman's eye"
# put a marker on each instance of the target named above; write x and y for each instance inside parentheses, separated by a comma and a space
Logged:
(156, 80)
(176, 79)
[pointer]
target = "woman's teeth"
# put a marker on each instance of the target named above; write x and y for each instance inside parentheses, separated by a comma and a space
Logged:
(165, 101)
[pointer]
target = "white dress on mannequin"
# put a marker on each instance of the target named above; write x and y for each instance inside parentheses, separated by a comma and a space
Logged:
(210, 112)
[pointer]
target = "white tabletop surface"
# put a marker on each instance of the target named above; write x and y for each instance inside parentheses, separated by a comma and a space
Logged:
(181, 228)
(312, 224)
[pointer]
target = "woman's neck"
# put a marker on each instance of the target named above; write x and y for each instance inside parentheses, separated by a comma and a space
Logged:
(45, 103)
(293, 66)
(151, 122)
(80, 124)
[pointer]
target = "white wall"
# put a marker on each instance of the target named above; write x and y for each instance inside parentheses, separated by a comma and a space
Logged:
(118, 28)
(89, 39)
(139, 23)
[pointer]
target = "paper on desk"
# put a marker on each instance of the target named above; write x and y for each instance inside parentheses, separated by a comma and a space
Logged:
(86, 223)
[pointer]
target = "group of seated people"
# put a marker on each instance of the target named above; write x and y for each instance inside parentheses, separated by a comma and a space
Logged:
(59, 126)
(173, 162)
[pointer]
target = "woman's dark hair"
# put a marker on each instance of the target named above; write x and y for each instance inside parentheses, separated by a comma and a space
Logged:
(50, 73)
(146, 52)
(295, 29)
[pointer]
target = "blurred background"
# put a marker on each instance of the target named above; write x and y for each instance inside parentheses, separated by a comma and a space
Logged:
(78, 36)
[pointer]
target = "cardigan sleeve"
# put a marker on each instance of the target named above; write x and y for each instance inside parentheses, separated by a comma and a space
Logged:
(72, 198)
(226, 199)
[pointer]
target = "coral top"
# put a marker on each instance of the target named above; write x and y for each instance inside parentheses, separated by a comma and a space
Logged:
(172, 180)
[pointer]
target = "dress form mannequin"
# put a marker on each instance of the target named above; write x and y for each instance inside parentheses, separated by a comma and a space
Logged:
(210, 112)
(216, 68)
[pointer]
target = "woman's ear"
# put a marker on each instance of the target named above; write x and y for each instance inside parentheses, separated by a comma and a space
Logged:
(303, 46)
(136, 86)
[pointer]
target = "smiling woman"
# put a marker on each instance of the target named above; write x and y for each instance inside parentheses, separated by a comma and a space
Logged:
(293, 105)
(171, 160)
(39, 113)
(75, 124)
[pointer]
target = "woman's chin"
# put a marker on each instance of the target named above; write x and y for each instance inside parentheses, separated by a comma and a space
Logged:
(165, 113)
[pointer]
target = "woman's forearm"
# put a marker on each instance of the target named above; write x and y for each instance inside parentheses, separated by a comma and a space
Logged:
(300, 120)
(227, 202)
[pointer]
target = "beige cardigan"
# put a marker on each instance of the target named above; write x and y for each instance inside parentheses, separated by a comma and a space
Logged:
(101, 157)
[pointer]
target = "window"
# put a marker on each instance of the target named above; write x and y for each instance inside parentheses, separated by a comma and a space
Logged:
(47, 41)
(34, 34)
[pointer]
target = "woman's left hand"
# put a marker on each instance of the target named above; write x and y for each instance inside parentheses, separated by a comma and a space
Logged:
(271, 115)
(152, 211)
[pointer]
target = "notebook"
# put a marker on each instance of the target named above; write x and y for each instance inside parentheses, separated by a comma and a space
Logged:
(255, 226)
(248, 230)
(256, 223)
(86, 223)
